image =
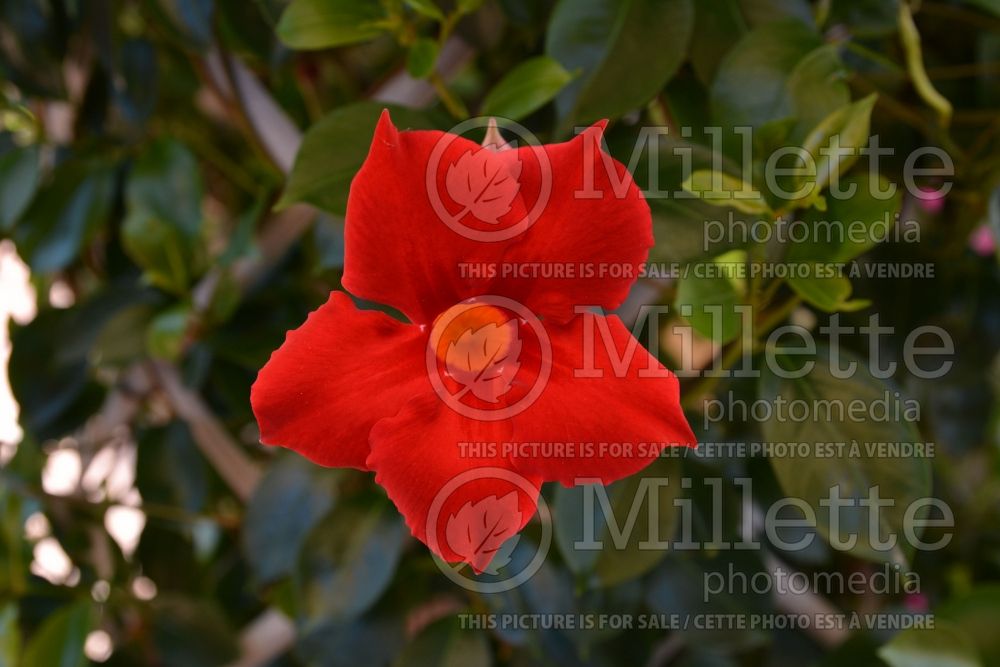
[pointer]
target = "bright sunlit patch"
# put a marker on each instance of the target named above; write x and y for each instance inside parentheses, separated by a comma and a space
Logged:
(61, 295)
(18, 303)
(36, 527)
(125, 525)
(98, 646)
(61, 474)
(144, 588)
(51, 563)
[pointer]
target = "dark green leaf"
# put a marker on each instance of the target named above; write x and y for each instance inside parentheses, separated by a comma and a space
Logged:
(610, 42)
(288, 504)
(322, 176)
(828, 418)
(64, 216)
(750, 86)
(163, 221)
(193, 633)
(19, 172)
(623, 555)
(59, 642)
(718, 24)
(446, 644)
(863, 216)
(350, 559)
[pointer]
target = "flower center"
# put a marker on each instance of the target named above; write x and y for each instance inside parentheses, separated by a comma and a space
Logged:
(473, 337)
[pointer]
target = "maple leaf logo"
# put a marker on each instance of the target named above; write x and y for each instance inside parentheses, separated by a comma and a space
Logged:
(479, 532)
(485, 360)
(484, 184)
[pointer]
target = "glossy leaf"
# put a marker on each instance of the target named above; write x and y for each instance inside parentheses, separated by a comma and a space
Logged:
(163, 222)
(609, 42)
(349, 561)
(322, 176)
(290, 502)
(526, 88)
(631, 499)
(853, 472)
(750, 86)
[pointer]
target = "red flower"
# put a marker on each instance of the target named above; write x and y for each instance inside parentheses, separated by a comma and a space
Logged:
(433, 222)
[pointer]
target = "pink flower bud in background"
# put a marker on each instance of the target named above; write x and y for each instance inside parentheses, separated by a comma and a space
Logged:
(982, 241)
(931, 200)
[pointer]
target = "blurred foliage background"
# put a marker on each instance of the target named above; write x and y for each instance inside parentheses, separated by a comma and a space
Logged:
(174, 174)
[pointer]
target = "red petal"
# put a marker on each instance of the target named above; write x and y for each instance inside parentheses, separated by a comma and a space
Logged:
(591, 414)
(607, 231)
(333, 378)
(456, 498)
(399, 249)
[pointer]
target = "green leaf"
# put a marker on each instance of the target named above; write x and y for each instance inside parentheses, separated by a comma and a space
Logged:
(944, 645)
(163, 222)
(526, 88)
(829, 293)
(827, 418)
(289, 502)
(59, 641)
(718, 24)
(421, 58)
(167, 332)
(750, 86)
(193, 633)
(722, 189)
(613, 563)
(426, 8)
(707, 296)
(350, 559)
(610, 41)
(193, 17)
(855, 222)
(445, 643)
(817, 84)
(851, 125)
(992, 6)
(19, 172)
(322, 176)
(15, 552)
(978, 614)
(10, 636)
(64, 215)
(321, 24)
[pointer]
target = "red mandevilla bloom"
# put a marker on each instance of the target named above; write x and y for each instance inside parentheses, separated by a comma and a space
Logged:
(353, 388)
